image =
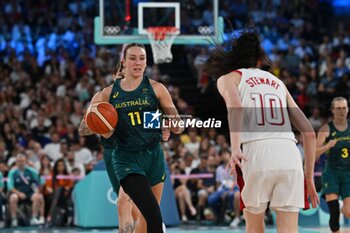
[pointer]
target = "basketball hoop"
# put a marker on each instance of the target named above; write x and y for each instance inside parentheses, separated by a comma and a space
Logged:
(162, 39)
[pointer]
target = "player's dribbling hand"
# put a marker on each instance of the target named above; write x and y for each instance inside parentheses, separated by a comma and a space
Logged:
(311, 193)
(165, 134)
(236, 158)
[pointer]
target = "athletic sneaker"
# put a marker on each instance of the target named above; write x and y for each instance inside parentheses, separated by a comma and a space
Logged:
(341, 204)
(34, 221)
(14, 223)
(41, 220)
(235, 222)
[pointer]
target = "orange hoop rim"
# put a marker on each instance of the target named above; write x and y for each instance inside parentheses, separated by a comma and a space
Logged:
(160, 32)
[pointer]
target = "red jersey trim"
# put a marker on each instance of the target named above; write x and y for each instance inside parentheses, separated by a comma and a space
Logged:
(237, 71)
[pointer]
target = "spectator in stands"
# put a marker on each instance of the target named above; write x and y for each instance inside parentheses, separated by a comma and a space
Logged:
(34, 152)
(45, 172)
(327, 86)
(2, 200)
(53, 148)
(343, 86)
(23, 183)
(226, 193)
(204, 186)
(58, 190)
(189, 162)
(182, 193)
(4, 153)
(153, 72)
(312, 86)
(191, 141)
(199, 62)
(9, 137)
(315, 119)
(73, 164)
(45, 165)
(291, 61)
(40, 128)
(221, 143)
(81, 153)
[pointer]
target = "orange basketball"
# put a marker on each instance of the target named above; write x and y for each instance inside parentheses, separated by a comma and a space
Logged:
(101, 117)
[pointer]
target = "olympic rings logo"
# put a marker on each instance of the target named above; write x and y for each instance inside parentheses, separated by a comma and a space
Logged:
(205, 30)
(111, 30)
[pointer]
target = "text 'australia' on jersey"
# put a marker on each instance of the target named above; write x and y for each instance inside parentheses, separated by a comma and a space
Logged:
(338, 155)
(264, 99)
(131, 105)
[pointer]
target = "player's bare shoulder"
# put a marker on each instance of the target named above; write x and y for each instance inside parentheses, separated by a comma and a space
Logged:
(226, 81)
(158, 87)
(106, 92)
(324, 130)
(234, 76)
(154, 83)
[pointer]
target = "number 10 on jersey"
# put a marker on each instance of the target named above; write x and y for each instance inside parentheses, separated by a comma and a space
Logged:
(268, 109)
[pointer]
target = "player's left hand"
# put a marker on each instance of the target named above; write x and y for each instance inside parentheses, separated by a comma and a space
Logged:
(236, 158)
(165, 134)
(311, 193)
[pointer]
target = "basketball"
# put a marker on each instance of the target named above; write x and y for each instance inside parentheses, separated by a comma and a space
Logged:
(101, 117)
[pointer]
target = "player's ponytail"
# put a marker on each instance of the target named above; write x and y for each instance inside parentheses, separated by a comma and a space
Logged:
(242, 52)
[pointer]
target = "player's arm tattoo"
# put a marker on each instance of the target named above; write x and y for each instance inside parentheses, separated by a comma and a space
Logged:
(129, 228)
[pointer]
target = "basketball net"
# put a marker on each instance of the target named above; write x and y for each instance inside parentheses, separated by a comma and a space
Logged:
(162, 39)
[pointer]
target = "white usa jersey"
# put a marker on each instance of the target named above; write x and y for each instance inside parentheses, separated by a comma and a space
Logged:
(264, 99)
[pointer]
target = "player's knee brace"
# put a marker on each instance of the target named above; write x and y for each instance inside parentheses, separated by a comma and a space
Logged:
(334, 213)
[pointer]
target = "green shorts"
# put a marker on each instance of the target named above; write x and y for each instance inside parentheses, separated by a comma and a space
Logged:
(107, 157)
(149, 163)
(336, 181)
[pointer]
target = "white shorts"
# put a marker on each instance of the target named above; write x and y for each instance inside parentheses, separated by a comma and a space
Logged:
(272, 173)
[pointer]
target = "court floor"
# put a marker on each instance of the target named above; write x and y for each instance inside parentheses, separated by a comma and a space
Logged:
(190, 229)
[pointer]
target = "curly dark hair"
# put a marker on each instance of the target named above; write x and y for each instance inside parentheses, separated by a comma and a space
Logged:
(242, 52)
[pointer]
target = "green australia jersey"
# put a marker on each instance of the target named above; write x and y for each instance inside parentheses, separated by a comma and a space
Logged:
(338, 156)
(108, 142)
(131, 107)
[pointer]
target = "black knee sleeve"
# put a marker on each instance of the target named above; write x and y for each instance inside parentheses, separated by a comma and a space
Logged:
(139, 189)
(334, 213)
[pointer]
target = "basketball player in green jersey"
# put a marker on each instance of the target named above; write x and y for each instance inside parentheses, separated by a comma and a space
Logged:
(138, 158)
(127, 211)
(334, 140)
(169, 108)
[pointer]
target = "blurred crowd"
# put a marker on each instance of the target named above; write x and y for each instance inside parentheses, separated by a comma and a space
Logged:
(50, 68)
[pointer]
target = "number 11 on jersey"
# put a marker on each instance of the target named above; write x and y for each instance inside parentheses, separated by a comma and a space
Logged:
(134, 115)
